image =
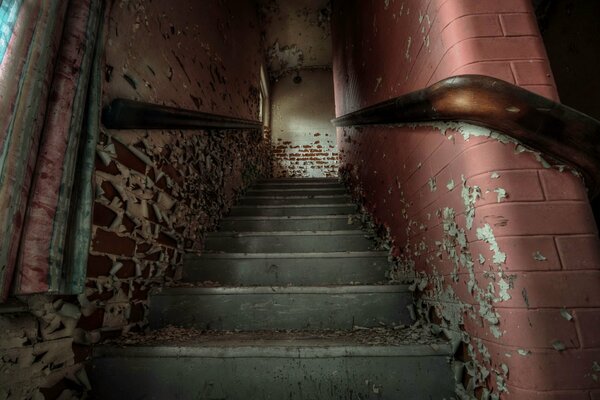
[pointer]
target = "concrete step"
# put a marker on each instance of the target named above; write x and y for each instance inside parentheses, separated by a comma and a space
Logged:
(273, 366)
(273, 307)
(299, 180)
(293, 210)
(282, 269)
(287, 241)
(297, 223)
(291, 200)
(295, 192)
(298, 185)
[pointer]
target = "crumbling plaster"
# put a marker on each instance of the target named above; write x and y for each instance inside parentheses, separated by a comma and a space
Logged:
(297, 43)
(501, 249)
(157, 192)
(296, 34)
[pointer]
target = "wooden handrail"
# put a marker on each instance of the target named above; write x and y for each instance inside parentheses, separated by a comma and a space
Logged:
(565, 134)
(131, 114)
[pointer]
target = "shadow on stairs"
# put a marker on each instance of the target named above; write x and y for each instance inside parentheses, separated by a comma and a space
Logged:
(288, 301)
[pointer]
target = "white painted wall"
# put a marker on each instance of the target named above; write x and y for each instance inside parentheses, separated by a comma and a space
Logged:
(304, 140)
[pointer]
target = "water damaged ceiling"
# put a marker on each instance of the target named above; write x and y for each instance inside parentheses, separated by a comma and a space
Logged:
(296, 34)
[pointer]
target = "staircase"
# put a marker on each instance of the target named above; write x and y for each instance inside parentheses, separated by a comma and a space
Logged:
(288, 301)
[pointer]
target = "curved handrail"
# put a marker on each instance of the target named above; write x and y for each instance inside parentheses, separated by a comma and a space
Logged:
(131, 114)
(561, 132)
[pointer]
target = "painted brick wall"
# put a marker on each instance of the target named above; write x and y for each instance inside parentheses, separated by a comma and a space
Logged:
(157, 192)
(503, 247)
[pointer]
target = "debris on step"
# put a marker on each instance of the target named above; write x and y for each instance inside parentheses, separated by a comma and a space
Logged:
(390, 336)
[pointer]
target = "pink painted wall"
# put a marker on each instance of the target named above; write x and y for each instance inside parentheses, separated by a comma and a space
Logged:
(530, 316)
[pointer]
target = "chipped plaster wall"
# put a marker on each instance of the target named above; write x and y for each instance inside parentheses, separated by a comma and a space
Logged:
(304, 140)
(502, 250)
(157, 192)
(296, 34)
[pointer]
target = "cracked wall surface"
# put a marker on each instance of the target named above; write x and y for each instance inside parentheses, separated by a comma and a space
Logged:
(296, 34)
(500, 244)
(304, 140)
(297, 43)
(157, 192)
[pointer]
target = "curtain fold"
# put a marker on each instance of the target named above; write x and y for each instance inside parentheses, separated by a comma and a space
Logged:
(45, 176)
(26, 74)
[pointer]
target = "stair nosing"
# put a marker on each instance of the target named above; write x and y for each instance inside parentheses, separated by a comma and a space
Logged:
(286, 217)
(282, 290)
(333, 254)
(255, 189)
(299, 183)
(308, 196)
(282, 349)
(326, 205)
(236, 234)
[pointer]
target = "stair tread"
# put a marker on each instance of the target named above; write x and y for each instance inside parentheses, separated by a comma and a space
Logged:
(235, 234)
(286, 217)
(192, 289)
(296, 196)
(293, 205)
(191, 342)
(333, 254)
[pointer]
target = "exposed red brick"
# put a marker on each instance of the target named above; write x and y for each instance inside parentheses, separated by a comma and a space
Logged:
(93, 321)
(109, 190)
(111, 243)
(109, 169)
(103, 216)
(127, 270)
(128, 159)
(98, 266)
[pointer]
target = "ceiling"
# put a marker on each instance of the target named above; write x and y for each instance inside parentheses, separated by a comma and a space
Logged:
(296, 34)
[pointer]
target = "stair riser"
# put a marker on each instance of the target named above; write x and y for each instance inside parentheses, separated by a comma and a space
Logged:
(296, 192)
(286, 271)
(249, 312)
(287, 244)
(292, 211)
(295, 201)
(286, 224)
(335, 378)
(298, 186)
(296, 180)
